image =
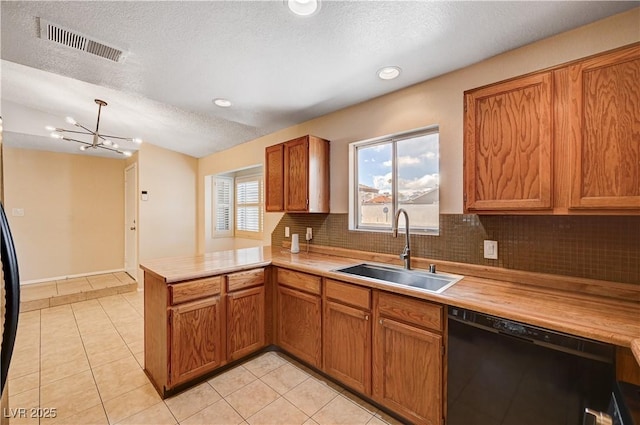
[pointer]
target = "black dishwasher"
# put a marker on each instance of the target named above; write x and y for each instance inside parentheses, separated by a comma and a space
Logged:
(502, 372)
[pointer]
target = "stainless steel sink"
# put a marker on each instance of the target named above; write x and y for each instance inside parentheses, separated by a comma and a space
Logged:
(432, 282)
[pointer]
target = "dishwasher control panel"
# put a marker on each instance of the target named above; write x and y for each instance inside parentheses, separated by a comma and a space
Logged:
(529, 333)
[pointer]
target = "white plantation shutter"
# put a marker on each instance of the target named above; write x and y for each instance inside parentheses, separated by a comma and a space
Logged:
(249, 205)
(223, 206)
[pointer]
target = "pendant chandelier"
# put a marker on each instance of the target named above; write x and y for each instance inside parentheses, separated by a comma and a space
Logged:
(99, 141)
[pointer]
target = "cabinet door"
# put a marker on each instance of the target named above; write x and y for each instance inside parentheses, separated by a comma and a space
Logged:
(296, 174)
(507, 146)
(407, 371)
(299, 325)
(605, 131)
(195, 339)
(274, 173)
(347, 345)
(245, 322)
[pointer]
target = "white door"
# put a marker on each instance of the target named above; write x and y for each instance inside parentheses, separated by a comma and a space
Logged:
(130, 221)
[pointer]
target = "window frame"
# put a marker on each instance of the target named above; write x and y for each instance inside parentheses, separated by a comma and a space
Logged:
(354, 204)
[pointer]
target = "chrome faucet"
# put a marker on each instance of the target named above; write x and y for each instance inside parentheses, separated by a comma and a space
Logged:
(406, 253)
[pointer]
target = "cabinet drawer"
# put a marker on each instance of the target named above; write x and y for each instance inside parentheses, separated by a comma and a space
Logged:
(243, 280)
(194, 289)
(299, 280)
(421, 313)
(348, 294)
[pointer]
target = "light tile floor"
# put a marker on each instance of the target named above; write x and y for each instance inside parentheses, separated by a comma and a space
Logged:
(85, 360)
(66, 291)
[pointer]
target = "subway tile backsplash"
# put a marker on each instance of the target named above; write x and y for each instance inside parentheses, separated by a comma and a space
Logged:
(595, 247)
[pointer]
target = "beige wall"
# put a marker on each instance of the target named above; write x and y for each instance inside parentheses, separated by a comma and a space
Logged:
(74, 209)
(167, 221)
(73, 219)
(437, 101)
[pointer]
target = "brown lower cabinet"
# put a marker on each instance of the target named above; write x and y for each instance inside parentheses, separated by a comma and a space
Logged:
(408, 357)
(193, 327)
(245, 322)
(299, 315)
(347, 334)
(194, 335)
(382, 345)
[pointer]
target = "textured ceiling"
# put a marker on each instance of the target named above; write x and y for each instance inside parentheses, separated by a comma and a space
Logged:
(277, 69)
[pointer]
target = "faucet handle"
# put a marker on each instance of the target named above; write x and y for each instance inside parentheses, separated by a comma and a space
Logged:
(432, 268)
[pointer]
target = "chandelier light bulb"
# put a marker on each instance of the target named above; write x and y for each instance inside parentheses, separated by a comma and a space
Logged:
(83, 148)
(107, 142)
(137, 140)
(56, 135)
(71, 121)
(126, 153)
(49, 128)
(115, 146)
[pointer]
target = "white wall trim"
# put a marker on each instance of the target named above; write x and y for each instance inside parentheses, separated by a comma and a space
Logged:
(72, 276)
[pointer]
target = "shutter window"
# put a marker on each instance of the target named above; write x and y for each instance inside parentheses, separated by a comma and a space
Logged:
(223, 199)
(249, 205)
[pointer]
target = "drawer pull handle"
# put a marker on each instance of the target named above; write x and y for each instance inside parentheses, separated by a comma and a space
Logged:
(366, 317)
(381, 320)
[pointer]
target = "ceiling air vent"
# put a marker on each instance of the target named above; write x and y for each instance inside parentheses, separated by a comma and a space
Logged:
(75, 40)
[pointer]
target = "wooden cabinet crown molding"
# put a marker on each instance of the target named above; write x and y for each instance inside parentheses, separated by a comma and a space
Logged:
(565, 140)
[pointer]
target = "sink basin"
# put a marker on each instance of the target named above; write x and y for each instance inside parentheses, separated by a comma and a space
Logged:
(432, 282)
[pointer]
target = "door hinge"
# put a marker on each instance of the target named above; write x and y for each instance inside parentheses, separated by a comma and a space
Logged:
(307, 201)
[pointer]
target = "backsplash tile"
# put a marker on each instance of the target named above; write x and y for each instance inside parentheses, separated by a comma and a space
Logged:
(595, 247)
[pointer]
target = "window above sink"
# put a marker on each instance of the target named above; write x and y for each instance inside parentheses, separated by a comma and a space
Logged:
(392, 172)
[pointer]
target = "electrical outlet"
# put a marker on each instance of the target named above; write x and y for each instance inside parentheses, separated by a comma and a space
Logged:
(286, 232)
(491, 250)
(309, 234)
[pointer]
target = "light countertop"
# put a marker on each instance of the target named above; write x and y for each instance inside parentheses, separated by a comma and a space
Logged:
(589, 314)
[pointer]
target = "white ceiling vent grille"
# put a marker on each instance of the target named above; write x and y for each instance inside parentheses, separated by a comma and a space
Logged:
(60, 35)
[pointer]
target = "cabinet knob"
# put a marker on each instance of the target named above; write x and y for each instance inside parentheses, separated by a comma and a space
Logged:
(366, 317)
(381, 320)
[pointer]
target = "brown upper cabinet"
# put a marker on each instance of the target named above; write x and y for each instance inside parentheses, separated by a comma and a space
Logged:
(297, 176)
(560, 141)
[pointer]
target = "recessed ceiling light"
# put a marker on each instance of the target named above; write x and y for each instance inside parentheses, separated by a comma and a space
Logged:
(223, 103)
(303, 7)
(389, 72)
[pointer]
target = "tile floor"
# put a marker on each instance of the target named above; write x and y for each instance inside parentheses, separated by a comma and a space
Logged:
(66, 291)
(85, 360)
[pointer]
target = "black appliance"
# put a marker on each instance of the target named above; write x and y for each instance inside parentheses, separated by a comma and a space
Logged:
(502, 372)
(11, 285)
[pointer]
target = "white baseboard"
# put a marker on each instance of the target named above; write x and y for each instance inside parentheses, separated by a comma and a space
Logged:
(71, 276)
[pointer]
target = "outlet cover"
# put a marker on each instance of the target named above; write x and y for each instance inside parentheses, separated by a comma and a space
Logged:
(286, 232)
(491, 250)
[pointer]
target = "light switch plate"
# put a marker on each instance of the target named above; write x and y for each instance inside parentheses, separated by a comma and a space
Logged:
(491, 250)
(286, 232)
(17, 212)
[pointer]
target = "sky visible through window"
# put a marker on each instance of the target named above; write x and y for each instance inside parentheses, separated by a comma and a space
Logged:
(417, 166)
